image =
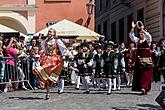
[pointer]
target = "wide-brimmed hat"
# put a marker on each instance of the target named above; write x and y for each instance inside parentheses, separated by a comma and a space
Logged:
(109, 45)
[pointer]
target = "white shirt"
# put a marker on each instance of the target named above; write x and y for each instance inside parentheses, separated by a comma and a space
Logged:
(60, 44)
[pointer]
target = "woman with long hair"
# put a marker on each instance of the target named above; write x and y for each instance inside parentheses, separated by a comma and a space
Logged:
(51, 62)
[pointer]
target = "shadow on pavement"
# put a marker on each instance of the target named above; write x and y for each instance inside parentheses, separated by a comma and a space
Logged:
(69, 92)
(150, 107)
(43, 92)
(84, 93)
(27, 98)
(91, 92)
(124, 108)
(131, 93)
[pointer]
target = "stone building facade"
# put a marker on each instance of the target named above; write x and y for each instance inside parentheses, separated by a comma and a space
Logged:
(113, 17)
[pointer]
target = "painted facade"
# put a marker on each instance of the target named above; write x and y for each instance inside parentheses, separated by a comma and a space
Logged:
(30, 16)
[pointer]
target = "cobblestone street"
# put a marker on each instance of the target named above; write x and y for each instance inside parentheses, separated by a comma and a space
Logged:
(73, 99)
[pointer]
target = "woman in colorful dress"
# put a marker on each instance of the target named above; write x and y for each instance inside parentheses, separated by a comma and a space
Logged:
(51, 63)
(142, 77)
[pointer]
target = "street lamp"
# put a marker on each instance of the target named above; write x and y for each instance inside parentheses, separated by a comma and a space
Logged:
(90, 8)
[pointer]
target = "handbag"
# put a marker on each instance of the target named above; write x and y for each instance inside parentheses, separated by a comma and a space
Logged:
(145, 62)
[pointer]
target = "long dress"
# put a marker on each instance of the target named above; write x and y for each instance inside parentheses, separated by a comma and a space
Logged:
(51, 65)
(142, 77)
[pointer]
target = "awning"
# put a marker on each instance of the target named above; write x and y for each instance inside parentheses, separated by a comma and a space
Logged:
(67, 28)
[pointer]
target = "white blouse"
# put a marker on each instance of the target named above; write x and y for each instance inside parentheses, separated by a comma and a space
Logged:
(135, 39)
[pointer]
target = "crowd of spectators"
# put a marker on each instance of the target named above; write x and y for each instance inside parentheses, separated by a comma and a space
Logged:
(19, 58)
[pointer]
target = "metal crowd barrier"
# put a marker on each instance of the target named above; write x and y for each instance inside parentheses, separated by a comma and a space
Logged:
(19, 73)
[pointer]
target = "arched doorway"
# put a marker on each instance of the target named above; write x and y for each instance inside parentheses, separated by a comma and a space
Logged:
(24, 24)
(13, 23)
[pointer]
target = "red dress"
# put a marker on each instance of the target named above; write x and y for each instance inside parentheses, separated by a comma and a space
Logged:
(130, 60)
(142, 78)
(50, 69)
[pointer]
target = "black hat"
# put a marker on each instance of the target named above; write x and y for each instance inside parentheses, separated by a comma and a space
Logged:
(98, 46)
(109, 45)
(77, 47)
(84, 45)
(116, 46)
(163, 38)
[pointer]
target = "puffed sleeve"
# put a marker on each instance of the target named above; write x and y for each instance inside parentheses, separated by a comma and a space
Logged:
(133, 37)
(61, 46)
(148, 38)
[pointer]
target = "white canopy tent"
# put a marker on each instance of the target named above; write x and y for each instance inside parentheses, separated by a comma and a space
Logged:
(5, 29)
(67, 28)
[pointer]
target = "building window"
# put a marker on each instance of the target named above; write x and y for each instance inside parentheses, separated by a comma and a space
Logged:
(106, 3)
(121, 30)
(164, 18)
(105, 29)
(113, 1)
(113, 31)
(99, 29)
(101, 4)
(140, 15)
(129, 24)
